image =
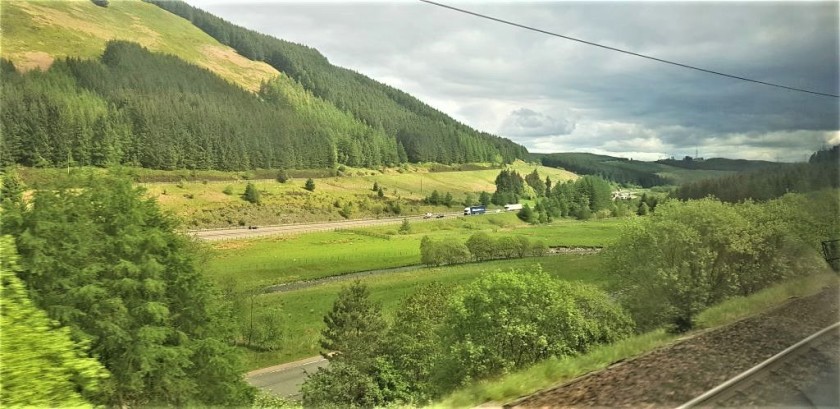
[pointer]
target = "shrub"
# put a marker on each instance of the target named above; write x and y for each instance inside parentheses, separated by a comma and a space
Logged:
(534, 317)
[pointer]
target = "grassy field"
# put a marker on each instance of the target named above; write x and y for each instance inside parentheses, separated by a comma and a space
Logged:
(36, 33)
(304, 309)
(205, 198)
(266, 261)
(555, 371)
(207, 204)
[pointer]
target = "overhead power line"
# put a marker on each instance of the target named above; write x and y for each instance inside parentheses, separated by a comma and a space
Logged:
(691, 67)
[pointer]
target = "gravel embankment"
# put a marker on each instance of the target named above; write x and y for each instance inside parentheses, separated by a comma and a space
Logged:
(673, 375)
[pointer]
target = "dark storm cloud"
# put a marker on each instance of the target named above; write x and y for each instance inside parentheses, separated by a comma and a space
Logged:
(583, 98)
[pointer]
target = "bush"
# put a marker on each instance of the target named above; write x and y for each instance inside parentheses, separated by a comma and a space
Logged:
(534, 317)
(448, 251)
(282, 176)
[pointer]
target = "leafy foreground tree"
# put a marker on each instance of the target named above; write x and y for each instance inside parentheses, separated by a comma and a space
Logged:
(688, 256)
(42, 365)
(103, 260)
(507, 320)
(353, 341)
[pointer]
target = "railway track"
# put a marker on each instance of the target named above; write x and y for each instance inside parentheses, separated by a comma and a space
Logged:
(803, 375)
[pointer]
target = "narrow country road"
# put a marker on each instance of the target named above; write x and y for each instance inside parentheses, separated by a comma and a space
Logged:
(285, 380)
(244, 232)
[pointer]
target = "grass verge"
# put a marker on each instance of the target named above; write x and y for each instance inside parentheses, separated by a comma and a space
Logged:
(557, 371)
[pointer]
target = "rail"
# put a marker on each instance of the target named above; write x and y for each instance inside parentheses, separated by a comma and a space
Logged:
(744, 376)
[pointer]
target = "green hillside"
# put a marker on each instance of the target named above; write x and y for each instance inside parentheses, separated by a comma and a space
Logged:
(37, 33)
(647, 174)
(423, 133)
(176, 102)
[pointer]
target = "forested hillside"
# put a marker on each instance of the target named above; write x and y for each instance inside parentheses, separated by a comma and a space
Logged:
(132, 106)
(426, 135)
(618, 170)
(822, 171)
(648, 174)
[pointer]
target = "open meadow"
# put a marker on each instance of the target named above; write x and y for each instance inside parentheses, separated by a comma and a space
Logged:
(261, 262)
(207, 203)
(251, 265)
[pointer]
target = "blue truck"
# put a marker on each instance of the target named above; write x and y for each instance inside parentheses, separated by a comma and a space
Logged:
(474, 210)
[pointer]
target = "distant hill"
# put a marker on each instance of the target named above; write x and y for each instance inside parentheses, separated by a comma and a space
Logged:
(729, 165)
(647, 174)
(821, 171)
(185, 100)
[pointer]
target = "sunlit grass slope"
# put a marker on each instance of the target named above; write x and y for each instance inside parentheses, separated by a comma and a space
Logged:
(205, 204)
(37, 32)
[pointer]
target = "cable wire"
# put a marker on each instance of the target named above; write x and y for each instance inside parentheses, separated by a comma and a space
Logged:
(628, 52)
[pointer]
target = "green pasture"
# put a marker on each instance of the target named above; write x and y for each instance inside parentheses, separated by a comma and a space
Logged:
(304, 309)
(260, 262)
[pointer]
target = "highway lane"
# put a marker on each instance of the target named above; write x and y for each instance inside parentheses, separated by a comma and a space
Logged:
(244, 232)
(285, 380)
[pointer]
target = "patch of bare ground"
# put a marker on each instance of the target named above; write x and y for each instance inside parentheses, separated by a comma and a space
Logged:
(31, 60)
(673, 375)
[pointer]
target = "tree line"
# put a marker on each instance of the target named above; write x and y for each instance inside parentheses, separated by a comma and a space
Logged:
(479, 247)
(423, 133)
(619, 170)
(138, 108)
(821, 171)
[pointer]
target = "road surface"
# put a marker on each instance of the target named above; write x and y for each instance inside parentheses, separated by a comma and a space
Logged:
(244, 232)
(285, 380)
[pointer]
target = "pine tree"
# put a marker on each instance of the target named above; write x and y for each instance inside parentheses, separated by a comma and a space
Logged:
(251, 195)
(309, 185)
(354, 328)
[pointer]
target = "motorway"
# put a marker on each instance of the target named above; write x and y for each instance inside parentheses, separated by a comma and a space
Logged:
(285, 380)
(244, 232)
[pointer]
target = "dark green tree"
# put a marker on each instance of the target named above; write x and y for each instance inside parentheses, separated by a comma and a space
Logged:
(405, 228)
(527, 215)
(309, 185)
(282, 176)
(354, 328)
(447, 200)
(251, 195)
(484, 199)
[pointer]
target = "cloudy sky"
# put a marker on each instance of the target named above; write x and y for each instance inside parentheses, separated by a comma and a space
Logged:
(555, 95)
